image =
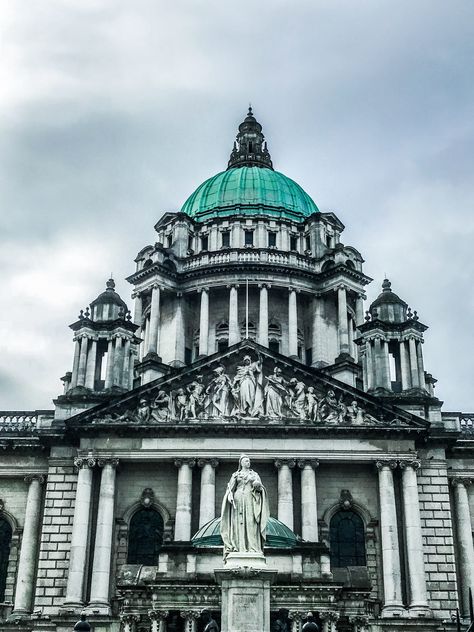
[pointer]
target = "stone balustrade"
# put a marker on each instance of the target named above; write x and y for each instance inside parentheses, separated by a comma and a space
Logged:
(22, 420)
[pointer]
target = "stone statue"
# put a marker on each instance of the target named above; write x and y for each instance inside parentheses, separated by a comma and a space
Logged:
(217, 395)
(160, 407)
(312, 404)
(330, 411)
(143, 411)
(275, 393)
(195, 398)
(247, 388)
(310, 625)
(245, 511)
(210, 625)
(356, 413)
(179, 404)
(298, 398)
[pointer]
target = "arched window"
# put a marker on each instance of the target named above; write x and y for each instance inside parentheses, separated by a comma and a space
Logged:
(5, 541)
(347, 540)
(145, 537)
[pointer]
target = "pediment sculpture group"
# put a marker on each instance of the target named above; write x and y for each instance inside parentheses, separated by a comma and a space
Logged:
(249, 394)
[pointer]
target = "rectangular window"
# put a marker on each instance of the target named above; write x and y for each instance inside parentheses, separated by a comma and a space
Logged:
(188, 355)
(293, 242)
(308, 243)
(169, 240)
(274, 346)
(204, 243)
(226, 239)
(190, 242)
(249, 237)
(309, 356)
(272, 239)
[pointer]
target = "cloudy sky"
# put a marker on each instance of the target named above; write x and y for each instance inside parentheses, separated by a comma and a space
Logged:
(114, 111)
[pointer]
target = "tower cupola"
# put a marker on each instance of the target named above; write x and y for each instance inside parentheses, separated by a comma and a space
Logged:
(388, 306)
(250, 146)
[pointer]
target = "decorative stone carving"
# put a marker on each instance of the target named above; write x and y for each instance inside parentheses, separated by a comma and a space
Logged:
(252, 392)
(147, 497)
(345, 499)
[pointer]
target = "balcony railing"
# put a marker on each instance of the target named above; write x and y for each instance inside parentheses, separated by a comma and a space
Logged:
(467, 423)
(22, 421)
(263, 255)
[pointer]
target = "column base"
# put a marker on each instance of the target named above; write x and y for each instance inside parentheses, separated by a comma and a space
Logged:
(100, 608)
(393, 610)
(420, 611)
(18, 615)
(72, 607)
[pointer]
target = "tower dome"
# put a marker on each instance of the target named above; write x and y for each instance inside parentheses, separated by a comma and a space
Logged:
(249, 186)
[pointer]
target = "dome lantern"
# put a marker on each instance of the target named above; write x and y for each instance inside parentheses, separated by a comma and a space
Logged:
(250, 148)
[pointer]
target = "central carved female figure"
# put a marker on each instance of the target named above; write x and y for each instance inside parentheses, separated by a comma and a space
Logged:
(245, 511)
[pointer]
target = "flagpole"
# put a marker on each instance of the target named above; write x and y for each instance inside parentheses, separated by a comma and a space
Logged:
(247, 308)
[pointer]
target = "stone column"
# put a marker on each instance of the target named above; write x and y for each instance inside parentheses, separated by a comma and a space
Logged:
(318, 338)
(118, 361)
(386, 381)
(309, 502)
(404, 366)
(234, 329)
(91, 362)
(418, 603)
(190, 619)
(415, 382)
(126, 364)
(419, 361)
(292, 324)
(158, 620)
(392, 585)
(342, 320)
(29, 547)
(359, 310)
(138, 308)
(464, 540)
(75, 362)
(329, 619)
(180, 332)
(204, 323)
(109, 372)
(81, 371)
(80, 533)
(285, 491)
(100, 583)
(154, 320)
(207, 506)
(263, 316)
(378, 363)
(369, 358)
(182, 530)
(129, 622)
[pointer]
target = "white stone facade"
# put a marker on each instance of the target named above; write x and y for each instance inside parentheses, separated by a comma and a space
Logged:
(150, 420)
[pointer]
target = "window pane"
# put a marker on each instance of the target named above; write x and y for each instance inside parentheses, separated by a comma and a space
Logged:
(145, 537)
(272, 239)
(249, 237)
(347, 540)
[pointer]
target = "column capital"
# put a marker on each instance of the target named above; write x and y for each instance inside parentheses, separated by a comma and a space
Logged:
(341, 286)
(312, 463)
(129, 618)
(296, 615)
(158, 615)
(461, 480)
(136, 294)
(155, 286)
(329, 615)
(102, 462)
(180, 462)
(202, 462)
(190, 614)
(406, 463)
(291, 289)
(289, 462)
(29, 478)
(265, 285)
(232, 285)
(83, 462)
(386, 463)
(203, 289)
(179, 295)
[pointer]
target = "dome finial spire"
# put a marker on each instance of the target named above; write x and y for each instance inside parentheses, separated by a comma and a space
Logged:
(250, 149)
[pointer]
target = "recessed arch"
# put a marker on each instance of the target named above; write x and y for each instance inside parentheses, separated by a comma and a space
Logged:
(6, 533)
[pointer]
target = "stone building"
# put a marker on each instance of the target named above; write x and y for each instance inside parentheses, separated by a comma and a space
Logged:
(248, 336)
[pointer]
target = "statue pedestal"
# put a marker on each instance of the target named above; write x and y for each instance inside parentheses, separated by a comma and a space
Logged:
(242, 560)
(245, 595)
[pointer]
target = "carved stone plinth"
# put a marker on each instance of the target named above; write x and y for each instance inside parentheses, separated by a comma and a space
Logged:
(245, 560)
(245, 598)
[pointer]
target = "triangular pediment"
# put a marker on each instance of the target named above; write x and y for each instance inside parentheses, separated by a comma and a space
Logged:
(251, 387)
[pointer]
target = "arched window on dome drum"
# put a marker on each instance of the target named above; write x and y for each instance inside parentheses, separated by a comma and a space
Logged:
(274, 337)
(347, 539)
(145, 537)
(5, 541)
(222, 337)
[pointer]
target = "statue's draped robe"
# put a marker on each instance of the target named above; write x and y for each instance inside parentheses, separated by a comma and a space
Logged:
(275, 392)
(244, 522)
(248, 385)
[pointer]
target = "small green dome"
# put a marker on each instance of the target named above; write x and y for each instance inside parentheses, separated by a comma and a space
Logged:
(278, 535)
(249, 191)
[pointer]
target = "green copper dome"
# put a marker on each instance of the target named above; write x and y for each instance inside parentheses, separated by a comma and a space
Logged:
(278, 535)
(249, 191)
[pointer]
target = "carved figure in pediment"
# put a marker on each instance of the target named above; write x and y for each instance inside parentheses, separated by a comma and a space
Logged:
(332, 411)
(247, 388)
(160, 408)
(195, 398)
(355, 413)
(217, 395)
(312, 404)
(143, 412)
(297, 401)
(179, 403)
(275, 393)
